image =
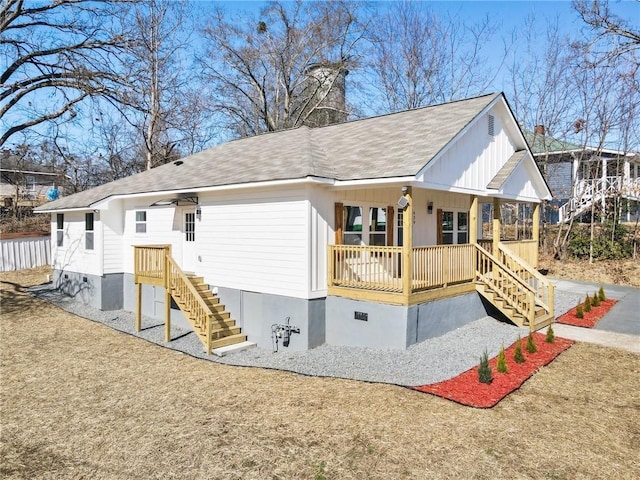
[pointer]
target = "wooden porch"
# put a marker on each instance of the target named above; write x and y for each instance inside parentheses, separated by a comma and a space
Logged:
(504, 272)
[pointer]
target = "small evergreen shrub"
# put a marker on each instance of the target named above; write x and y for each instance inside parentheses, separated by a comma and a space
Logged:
(551, 336)
(596, 300)
(587, 303)
(518, 356)
(579, 312)
(484, 370)
(531, 344)
(501, 361)
(601, 295)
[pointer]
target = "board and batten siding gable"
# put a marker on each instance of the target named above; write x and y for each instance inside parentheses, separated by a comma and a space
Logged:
(73, 256)
(474, 158)
(256, 240)
(519, 185)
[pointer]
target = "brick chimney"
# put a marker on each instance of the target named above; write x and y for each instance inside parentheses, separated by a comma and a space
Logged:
(539, 130)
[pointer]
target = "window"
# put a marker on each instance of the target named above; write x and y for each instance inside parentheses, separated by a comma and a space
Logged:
(88, 231)
(353, 225)
(30, 181)
(190, 227)
(377, 226)
(455, 228)
(400, 225)
(60, 229)
(141, 222)
(462, 228)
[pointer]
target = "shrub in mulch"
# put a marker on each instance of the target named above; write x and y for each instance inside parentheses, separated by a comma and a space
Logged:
(589, 319)
(587, 304)
(518, 356)
(466, 388)
(578, 312)
(550, 337)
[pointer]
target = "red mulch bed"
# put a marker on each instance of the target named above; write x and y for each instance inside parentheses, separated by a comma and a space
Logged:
(466, 389)
(590, 318)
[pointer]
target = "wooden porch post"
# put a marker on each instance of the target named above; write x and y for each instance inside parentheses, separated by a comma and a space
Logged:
(167, 295)
(496, 225)
(407, 246)
(535, 231)
(473, 220)
(138, 307)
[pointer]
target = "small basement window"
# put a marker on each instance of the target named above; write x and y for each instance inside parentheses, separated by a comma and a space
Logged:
(60, 229)
(88, 231)
(141, 222)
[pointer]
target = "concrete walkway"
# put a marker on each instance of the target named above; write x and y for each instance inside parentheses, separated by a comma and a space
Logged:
(619, 328)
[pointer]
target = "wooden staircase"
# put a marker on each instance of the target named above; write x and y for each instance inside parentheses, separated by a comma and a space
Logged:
(223, 331)
(154, 265)
(516, 289)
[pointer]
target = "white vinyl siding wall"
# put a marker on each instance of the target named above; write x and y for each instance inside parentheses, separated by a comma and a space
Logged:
(256, 241)
(73, 256)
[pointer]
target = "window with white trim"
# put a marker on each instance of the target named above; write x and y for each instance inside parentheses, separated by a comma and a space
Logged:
(352, 225)
(455, 227)
(141, 221)
(377, 226)
(88, 231)
(190, 226)
(60, 229)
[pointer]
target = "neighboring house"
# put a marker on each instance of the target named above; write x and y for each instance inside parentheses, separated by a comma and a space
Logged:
(363, 233)
(25, 183)
(579, 176)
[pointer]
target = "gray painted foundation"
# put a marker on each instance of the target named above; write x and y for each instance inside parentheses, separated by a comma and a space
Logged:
(332, 320)
(259, 313)
(103, 292)
(394, 326)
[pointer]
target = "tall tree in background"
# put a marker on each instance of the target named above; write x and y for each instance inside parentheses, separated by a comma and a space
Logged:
(420, 59)
(258, 67)
(56, 55)
(156, 73)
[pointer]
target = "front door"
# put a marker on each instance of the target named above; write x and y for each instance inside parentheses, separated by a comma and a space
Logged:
(189, 253)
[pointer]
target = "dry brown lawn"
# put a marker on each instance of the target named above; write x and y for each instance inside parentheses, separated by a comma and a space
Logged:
(79, 400)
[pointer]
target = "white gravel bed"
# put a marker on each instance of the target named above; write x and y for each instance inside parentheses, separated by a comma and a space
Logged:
(427, 362)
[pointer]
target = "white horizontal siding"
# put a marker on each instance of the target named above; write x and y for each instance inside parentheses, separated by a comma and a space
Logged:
(112, 221)
(73, 256)
(20, 253)
(164, 226)
(255, 241)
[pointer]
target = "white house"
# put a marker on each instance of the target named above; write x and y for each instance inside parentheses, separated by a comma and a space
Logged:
(362, 233)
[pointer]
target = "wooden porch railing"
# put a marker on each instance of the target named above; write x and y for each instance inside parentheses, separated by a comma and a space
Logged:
(366, 267)
(154, 265)
(526, 250)
(440, 265)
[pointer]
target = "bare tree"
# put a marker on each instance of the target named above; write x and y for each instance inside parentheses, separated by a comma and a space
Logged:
(419, 58)
(258, 67)
(610, 36)
(59, 53)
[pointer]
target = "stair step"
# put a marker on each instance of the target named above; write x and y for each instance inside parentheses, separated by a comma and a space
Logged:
(193, 279)
(236, 347)
(230, 340)
(224, 332)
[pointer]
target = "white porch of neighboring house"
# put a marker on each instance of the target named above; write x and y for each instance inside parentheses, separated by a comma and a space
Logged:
(600, 179)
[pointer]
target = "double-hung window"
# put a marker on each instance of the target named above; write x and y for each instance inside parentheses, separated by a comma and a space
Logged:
(60, 229)
(141, 221)
(88, 231)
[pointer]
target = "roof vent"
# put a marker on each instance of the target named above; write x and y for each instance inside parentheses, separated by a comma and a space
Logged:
(178, 162)
(492, 125)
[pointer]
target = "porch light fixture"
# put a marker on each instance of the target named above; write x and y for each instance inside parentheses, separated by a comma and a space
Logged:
(198, 213)
(430, 208)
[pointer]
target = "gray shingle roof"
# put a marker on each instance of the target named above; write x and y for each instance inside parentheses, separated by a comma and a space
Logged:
(398, 144)
(507, 169)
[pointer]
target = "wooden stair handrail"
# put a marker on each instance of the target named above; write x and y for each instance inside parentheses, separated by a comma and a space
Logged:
(549, 306)
(182, 277)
